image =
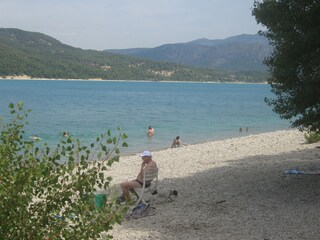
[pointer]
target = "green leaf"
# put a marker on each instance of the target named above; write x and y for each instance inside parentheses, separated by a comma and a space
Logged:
(124, 136)
(11, 105)
(101, 175)
(20, 104)
(116, 158)
(109, 179)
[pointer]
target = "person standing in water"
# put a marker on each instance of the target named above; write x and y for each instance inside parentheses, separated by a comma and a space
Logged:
(150, 131)
(176, 142)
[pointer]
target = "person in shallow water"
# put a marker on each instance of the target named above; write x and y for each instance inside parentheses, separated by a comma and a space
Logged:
(176, 142)
(150, 131)
(35, 138)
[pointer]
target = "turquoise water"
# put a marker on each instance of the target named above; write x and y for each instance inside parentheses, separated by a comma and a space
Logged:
(197, 112)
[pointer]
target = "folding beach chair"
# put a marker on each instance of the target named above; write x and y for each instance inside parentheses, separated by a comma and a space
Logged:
(148, 177)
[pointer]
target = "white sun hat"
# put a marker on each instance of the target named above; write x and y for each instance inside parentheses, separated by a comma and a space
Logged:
(145, 154)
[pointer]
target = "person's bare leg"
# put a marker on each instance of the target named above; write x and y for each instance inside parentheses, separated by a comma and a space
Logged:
(127, 186)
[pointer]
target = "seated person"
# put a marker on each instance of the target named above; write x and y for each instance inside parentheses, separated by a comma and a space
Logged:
(126, 187)
(176, 142)
(150, 131)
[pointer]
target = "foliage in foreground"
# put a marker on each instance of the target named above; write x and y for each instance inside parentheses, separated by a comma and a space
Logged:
(293, 29)
(48, 194)
(312, 137)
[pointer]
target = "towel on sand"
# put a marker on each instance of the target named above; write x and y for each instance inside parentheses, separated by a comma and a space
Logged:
(295, 171)
(141, 210)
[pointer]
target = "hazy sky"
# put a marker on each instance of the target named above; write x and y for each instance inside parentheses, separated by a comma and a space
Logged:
(107, 24)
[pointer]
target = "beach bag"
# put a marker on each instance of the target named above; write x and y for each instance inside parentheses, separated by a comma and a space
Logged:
(141, 210)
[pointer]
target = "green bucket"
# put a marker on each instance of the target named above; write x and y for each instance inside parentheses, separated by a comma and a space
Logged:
(100, 200)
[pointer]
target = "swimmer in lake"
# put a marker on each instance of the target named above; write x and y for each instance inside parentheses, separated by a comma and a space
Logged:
(150, 131)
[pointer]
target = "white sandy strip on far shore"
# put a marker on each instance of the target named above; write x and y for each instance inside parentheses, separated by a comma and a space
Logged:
(26, 77)
(231, 189)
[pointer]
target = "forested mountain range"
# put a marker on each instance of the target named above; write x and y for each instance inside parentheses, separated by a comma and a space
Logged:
(40, 56)
(244, 52)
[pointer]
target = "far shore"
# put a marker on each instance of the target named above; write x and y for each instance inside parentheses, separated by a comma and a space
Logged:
(26, 77)
(231, 189)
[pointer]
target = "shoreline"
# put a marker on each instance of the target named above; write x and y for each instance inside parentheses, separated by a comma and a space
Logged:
(233, 188)
(221, 138)
(26, 78)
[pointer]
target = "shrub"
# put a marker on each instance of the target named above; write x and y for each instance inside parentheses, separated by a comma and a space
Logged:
(48, 194)
(312, 137)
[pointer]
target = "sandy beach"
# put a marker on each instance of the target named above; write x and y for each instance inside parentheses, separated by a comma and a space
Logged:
(231, 189)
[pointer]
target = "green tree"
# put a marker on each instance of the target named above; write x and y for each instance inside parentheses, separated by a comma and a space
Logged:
(48, 194)
(293, 28)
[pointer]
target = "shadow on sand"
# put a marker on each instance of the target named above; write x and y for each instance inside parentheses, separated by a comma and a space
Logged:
(249, 198)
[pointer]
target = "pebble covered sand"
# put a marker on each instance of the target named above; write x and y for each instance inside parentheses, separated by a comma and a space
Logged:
(231, 189)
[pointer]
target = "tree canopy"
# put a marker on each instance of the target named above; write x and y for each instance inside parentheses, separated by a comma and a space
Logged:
(293, 29)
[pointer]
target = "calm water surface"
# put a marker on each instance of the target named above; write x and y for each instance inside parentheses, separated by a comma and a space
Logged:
(197, 112)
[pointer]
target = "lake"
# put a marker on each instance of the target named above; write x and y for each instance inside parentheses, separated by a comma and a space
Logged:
(197, 112)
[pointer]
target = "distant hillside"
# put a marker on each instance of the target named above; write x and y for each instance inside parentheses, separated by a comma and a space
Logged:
(40, 56)
(243, 38)
(239, 53)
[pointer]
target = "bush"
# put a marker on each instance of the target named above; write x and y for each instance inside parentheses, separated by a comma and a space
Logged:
(312, 137)
(48, 194)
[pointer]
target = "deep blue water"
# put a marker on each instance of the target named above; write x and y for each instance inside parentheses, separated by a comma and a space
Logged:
(197, 112)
